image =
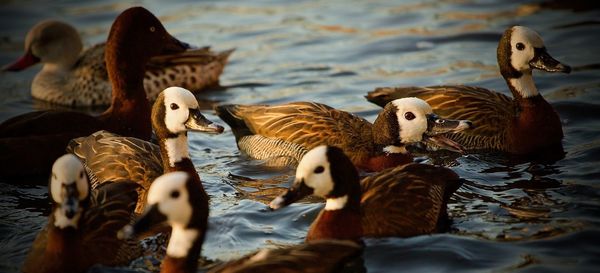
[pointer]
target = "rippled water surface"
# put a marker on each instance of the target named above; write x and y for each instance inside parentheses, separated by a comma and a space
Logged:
(511, 216)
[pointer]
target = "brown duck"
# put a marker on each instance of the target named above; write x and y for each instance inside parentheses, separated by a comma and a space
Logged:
(172, 198)
(74, 78)
(29, 143)
(404, 201)
(285, 132)
(525, 124)
(110, 157)
(83, 225)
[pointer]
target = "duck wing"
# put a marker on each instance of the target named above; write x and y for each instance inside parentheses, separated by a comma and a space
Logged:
(407, 200)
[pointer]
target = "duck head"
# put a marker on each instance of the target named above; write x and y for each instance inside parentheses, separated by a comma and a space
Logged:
(51, 42)
(176, 111)
(69, 190)
(171, 200)
(519, 51)
(327, 172)
(411, 121)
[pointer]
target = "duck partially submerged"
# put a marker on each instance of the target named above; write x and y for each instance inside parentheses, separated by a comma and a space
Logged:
(524, 124)
(110, 157)
(288, 131)
(404, 201)
(83, 225)
(29, 143)
(73, 77)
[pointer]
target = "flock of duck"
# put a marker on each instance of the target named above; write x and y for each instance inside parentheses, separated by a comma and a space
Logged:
(113, 172)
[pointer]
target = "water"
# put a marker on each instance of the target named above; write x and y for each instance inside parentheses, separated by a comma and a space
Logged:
(511, 216)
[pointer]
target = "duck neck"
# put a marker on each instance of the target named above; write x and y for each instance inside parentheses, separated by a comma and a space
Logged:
(62, 242)
(522, 86)
(183, 250)
(175, 154)
(129, 112)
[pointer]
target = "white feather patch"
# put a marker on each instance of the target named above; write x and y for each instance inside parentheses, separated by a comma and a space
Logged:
(177, 149)
(392, 149)
(525, 85)
(181, 241)
(336, 203)
(61, 221)
(412, 130)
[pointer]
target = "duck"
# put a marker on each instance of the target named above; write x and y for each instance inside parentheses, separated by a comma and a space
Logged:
(404, 201)
(173, 198)
(76, 78)
(83, 225)
(525, 124)
(289, 130)
(29, 143)
(110, 157)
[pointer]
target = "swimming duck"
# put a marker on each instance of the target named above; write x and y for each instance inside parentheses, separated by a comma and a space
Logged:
(29, 143)
(289, 130)
(74, 78)
(172, 198)
(82, 227)
(524, 124)
(403, 201)
(110, 157)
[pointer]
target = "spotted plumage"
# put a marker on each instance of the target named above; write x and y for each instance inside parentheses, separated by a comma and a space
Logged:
(73, 77)
(525, 124)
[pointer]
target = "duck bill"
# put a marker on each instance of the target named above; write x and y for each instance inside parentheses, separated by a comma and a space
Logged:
(25, 61)
(543, 61)
(71, 204)
(437, 127)
(298, 191)
(199, 123)
(173, 45)
(151, 217)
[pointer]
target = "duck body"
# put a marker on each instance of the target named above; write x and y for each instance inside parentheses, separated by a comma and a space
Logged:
(290, 130)
(524, 125)
(129, 113)
(77, 238)
(77, 78)
(403, 201)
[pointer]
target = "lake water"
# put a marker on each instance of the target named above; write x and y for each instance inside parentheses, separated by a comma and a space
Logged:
(510, 217)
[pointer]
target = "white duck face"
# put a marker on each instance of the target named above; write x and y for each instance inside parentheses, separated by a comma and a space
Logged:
(314, 169)
(54, 42)
(412, 114)
(523, 42)
(69, 186)
(182, 113)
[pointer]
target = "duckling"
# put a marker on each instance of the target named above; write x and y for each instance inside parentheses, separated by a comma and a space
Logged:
(404, 201)
(290, 130)
(74, 78)
(82, 227)
(524, 124)
(110, 157)
(173, 198)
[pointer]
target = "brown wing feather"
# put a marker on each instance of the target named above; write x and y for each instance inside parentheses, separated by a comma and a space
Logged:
(200, 56)
(312, 257)
(490, 112)
(110, 157)
(112, 207)
(308, 124)
(407, 200)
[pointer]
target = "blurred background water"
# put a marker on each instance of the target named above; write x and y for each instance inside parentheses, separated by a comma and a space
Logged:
(511, 216)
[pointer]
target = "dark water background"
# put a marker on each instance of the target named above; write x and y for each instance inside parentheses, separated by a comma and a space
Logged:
(525, 217)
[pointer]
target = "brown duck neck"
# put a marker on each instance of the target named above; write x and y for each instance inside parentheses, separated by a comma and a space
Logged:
(537, 125)
(129, 112)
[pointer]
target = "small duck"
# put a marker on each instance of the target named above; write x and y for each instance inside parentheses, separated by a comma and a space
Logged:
(173, 198)
(288, 131)
(110, 157)
(404, 201)
(74, 78)
(83, 225)
(29, 143)
(524, 124)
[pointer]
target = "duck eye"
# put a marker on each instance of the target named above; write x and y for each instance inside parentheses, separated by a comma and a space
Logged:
(440, 121)
(319, 169)
(520, 46)
(174, 194)
(152, 29)
(174, 106)
(409, 116)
